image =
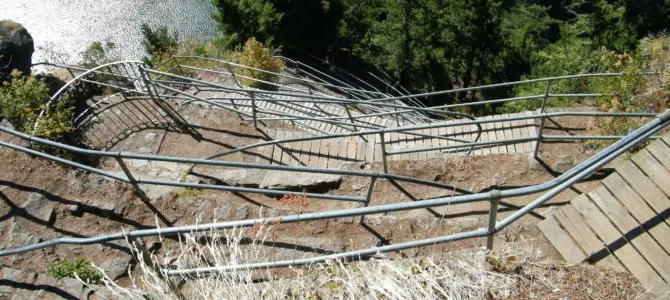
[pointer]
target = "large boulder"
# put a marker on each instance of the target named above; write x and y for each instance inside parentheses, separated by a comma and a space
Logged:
(16, 48)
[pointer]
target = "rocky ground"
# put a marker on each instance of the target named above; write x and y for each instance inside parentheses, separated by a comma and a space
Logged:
(42, 200)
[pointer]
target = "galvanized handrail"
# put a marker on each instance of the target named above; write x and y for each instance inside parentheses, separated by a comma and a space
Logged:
(555, 185)
(95, 71)
(354, 122)
(299, 79)
(380, 107)
(382, 103)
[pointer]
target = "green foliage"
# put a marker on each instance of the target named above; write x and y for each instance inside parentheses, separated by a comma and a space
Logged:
(432, 45)
(79, 267)
(202, 48)
(310, 25)
(159, 43)
(654, 51)
(647, 16)
(97, 54)
(21, 101)
(256, 55)
(56, 123)
(240, 20)
(427, 45)
(605, 20)
(187, 192)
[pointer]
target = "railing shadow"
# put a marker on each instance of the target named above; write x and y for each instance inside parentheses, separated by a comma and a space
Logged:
(55, 292)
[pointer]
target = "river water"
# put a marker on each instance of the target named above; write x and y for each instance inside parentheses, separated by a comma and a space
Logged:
(62, 29)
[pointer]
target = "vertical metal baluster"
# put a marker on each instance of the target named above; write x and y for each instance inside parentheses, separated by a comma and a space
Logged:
(542, 111)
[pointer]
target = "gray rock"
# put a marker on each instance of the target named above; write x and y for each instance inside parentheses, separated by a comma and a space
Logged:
(150, 137)
(39, 207)
(138, 163)
(94, 181)
(533, 164)
(300, 181)
(17, 276)
(5, 123)
(116, 267)
(44, 280)
(242, 212)
(16, 48)
(18, 234)
(222, 212)
(73, 208)
(270, 179)
(170, 166)
(563, 163)
(101, 293)
(71, 286)
(270, 212)
(145, 150)
(203, 205)
(106, 205)
(241, 177)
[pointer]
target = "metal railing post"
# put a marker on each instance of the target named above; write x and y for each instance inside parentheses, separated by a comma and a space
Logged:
(383, 143)
(181, 73)
(253, 109)
(230, 69)
(138, 191)
(368, 196)
(351, 118)
(542, 111)
(371, 188)
(493, 216)
(147, 83)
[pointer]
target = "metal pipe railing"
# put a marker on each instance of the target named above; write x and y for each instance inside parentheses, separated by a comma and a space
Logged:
(298, 79)
(478, 122)
(353, 120)
(312, 98)
(129, 155)
(555, 186)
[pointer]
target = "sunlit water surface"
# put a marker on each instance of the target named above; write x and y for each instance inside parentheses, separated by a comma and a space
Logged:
(62, 29)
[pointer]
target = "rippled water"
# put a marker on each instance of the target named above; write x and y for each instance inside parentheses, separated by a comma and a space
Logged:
(62, 29)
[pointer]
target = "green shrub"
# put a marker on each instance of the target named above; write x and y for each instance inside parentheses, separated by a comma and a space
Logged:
(79, 266)
(159, 43)
(21, 101)
(97, 54)
(186, 191)
(256, 55)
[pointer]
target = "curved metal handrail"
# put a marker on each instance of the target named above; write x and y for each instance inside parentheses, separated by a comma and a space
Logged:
(75, 81)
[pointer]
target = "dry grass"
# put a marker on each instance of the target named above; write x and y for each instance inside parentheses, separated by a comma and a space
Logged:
(467, 275)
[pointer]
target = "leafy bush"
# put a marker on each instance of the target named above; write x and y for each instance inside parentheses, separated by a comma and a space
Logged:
(197, 47)
(159, 43)
(79, 267)
(256, 55)
(97, 54)
(579, 57)
(21, 101)
(240, 20)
